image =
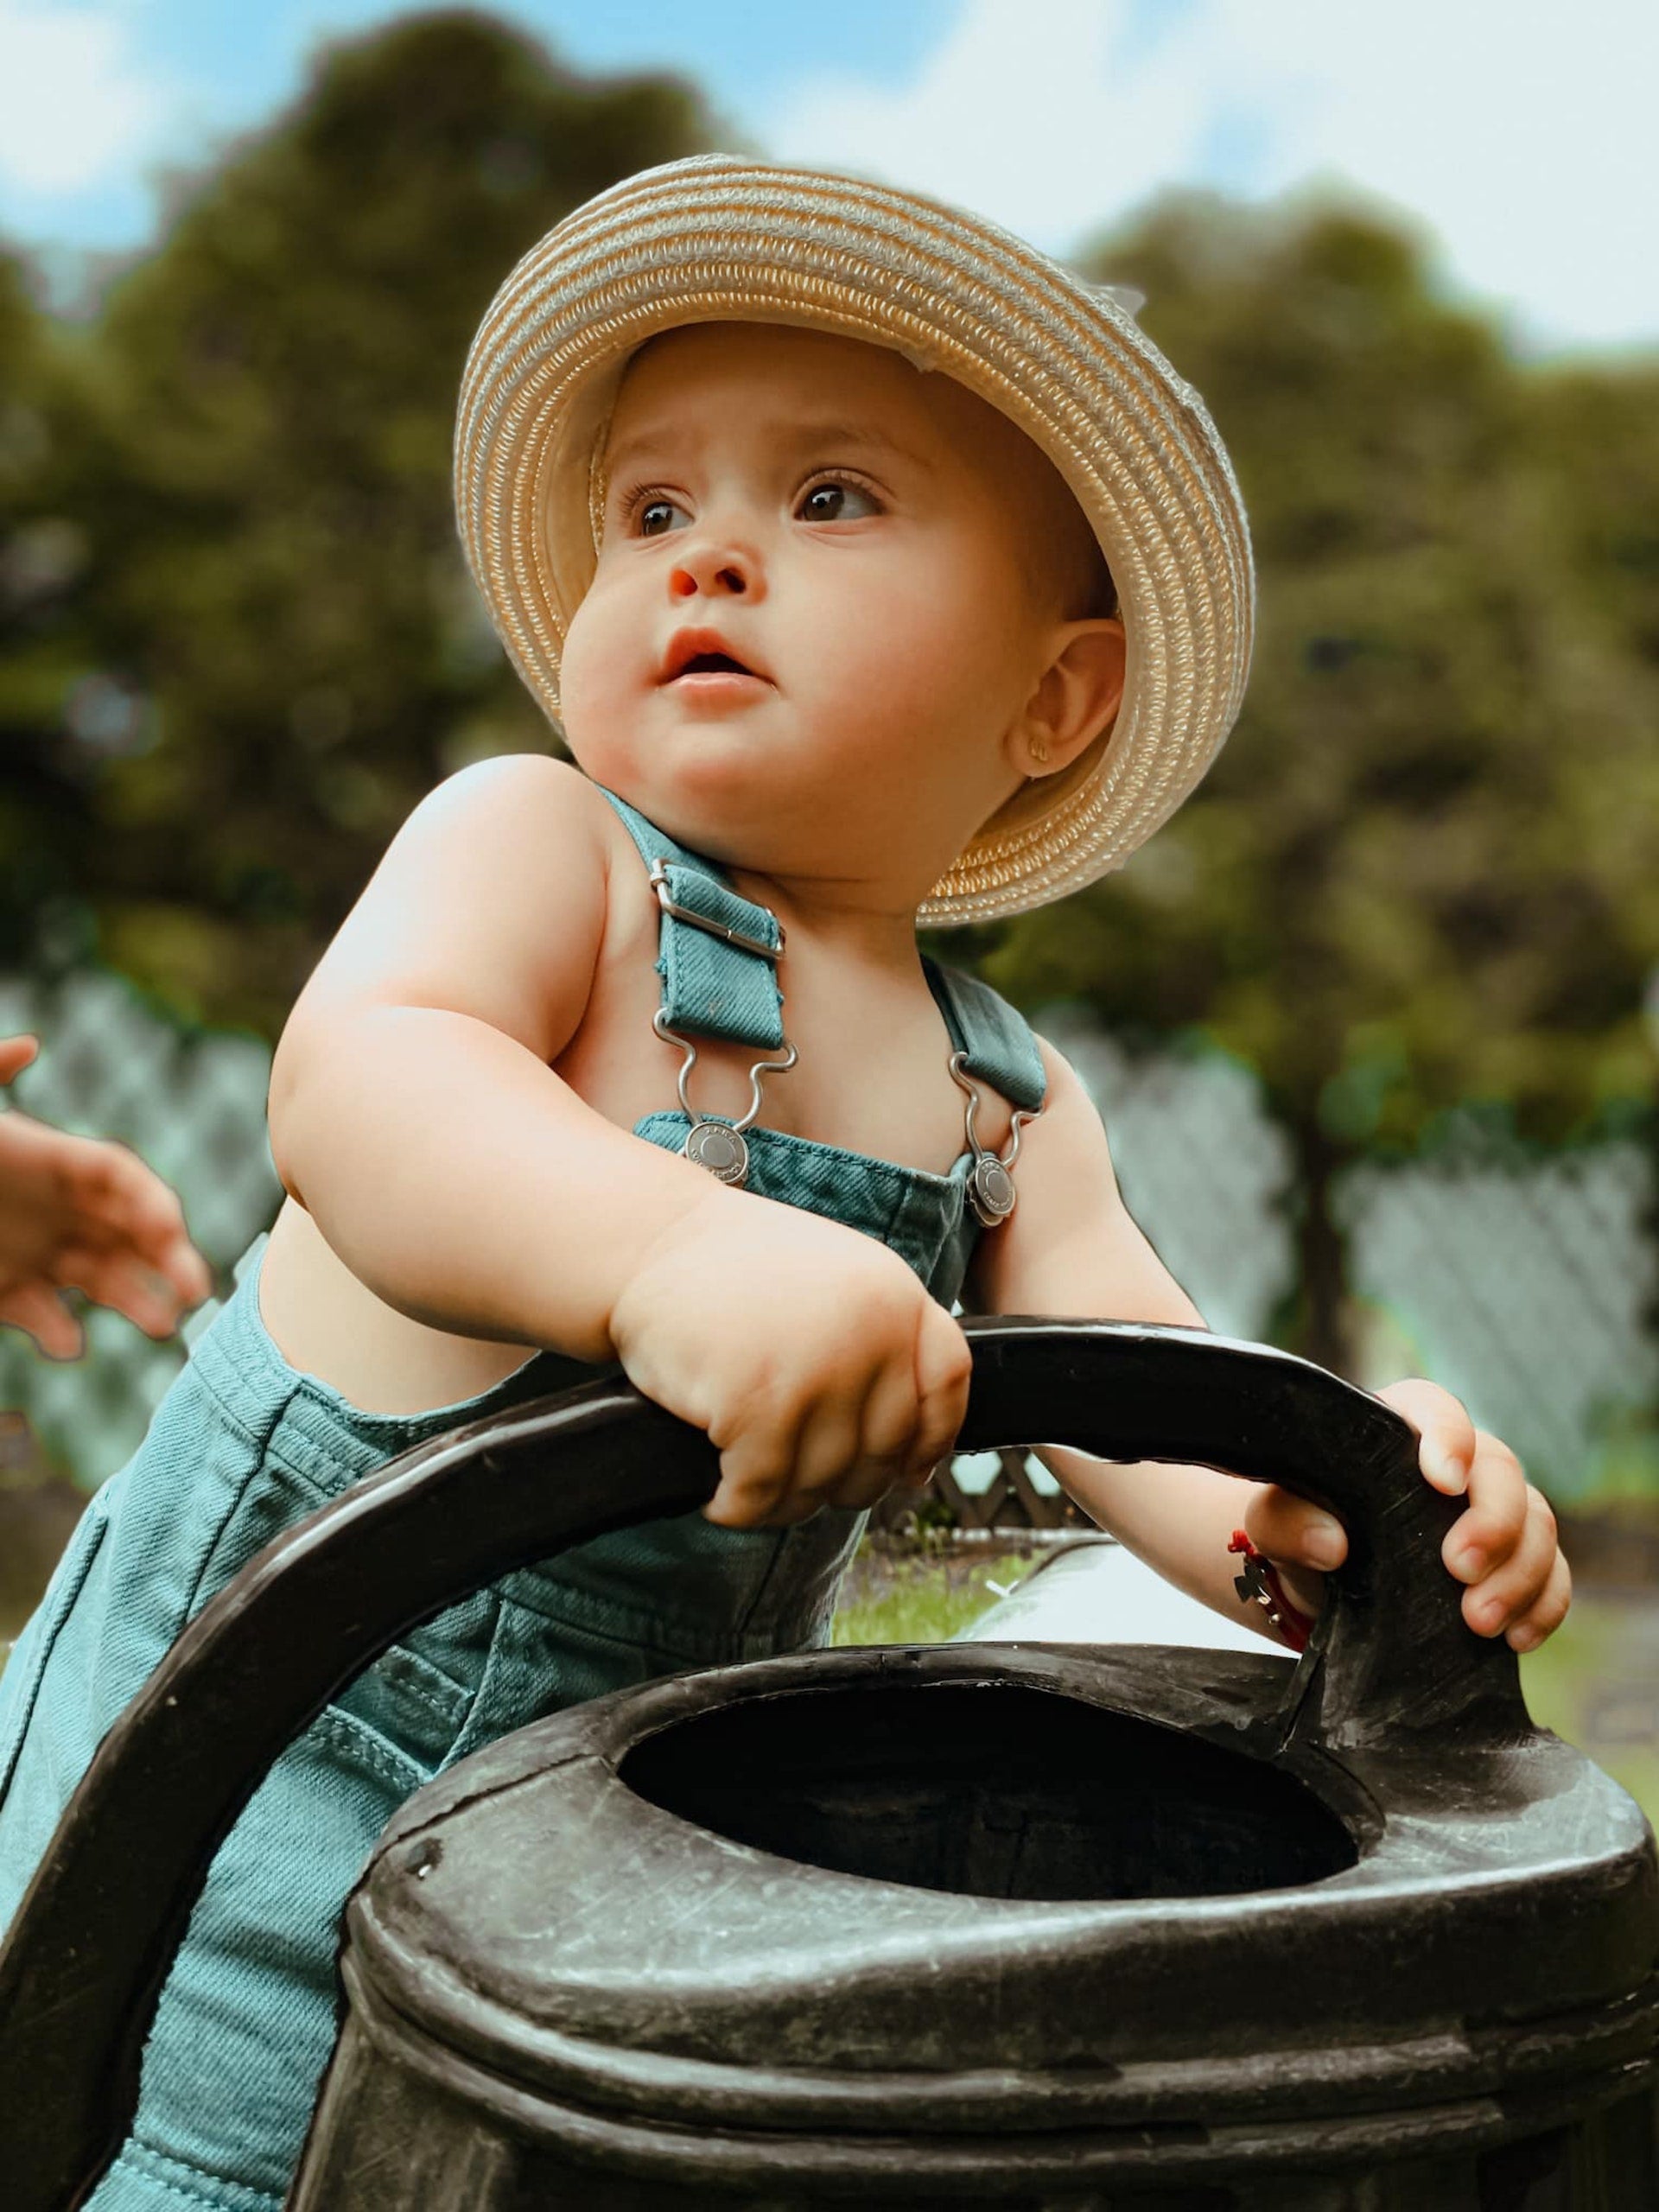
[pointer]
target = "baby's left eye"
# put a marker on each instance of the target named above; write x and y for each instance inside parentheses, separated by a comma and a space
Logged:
(838, 501)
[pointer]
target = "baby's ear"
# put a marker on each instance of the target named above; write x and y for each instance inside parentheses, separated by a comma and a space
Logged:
(1075, 699)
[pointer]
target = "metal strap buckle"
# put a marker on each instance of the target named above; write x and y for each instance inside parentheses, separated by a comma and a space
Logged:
(718, 1145)
(990, 1181)
(744, 943)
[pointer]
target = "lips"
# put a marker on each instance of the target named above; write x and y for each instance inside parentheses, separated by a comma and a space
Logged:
(705, 652)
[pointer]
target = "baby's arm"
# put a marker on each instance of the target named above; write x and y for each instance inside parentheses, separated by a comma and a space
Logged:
(1071, 1248)
(415, 1114)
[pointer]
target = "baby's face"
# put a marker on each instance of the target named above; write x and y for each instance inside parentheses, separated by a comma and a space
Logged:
(826, 586)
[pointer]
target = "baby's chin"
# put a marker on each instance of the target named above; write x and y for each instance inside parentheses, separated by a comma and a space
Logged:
(712, 786)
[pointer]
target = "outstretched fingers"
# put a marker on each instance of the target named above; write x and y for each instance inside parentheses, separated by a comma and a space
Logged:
(40, 1313)
(16, 1054)
(128, 1225)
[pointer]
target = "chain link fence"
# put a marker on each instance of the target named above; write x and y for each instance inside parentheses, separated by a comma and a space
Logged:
(1526, 1285)
(1524, 1282)
(192, 1104)
(1523, 1285)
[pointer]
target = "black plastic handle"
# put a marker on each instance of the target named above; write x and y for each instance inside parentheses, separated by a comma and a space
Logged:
(97, 1930)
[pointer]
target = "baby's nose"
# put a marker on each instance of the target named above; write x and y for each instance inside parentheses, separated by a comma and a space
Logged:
(711, 571)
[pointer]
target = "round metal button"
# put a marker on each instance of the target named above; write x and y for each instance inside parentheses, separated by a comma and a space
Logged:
(990, 1190)
(720, 1149)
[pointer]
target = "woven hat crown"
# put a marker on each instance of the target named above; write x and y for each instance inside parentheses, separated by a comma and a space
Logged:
(718, 239)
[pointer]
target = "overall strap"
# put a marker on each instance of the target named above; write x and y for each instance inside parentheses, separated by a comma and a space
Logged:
(717, 953)
(994, 1042)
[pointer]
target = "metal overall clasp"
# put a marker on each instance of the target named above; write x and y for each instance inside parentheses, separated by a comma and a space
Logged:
(990, 1179)
(718, 1145)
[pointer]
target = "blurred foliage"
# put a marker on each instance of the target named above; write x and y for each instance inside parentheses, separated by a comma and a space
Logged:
(1422, 871)
(46, 794)
(279, 651)
(239, 643)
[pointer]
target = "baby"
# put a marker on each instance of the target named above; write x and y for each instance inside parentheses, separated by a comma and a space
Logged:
(815, 502)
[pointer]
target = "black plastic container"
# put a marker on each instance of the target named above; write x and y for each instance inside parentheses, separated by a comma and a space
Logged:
(1075, 1930)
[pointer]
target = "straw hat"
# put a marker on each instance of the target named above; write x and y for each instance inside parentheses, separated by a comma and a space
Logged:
(721, 239)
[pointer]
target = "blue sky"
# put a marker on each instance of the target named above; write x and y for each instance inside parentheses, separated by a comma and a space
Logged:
(1518, 135)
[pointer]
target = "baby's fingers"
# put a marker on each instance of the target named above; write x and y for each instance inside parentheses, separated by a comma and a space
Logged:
(833, 1465)
(1500, 1504)
(754, 1475)
(1447, 1437)
(944, 1368)
(1521, 1578)
(1293, 1530)
(1545, 1615)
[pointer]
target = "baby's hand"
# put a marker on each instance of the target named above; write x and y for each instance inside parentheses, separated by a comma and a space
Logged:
(810, 1355)
(1503, 1546)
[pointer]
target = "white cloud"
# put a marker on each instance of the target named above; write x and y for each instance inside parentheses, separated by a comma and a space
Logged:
(75, 106)
(1021, 113)
(1523, 137)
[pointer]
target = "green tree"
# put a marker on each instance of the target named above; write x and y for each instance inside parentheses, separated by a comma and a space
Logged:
(1418, 873)
(46, 793)
(285, 605)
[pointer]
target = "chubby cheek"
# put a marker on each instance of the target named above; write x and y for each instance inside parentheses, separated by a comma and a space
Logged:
(599, 683)
(922, 652)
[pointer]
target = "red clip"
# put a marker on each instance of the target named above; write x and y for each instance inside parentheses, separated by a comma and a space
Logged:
(1259, 1582)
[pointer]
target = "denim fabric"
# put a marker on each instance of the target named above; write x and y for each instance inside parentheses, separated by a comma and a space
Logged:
(242, 1447)
(711, 987)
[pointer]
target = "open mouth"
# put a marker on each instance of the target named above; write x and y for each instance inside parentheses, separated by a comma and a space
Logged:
(715, 665)
(700, 652)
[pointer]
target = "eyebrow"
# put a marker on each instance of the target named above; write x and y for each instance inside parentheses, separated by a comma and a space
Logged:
(803, 434)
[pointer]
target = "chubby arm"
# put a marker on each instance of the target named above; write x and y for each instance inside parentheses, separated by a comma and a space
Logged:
(414, 1112)
(1071, 1248)
(415, 1115)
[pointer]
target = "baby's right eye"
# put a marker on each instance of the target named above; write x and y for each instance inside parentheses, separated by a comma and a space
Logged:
(655, 517)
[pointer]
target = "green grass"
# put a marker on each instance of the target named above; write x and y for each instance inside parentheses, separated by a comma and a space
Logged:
(927, 1598)
(1596, 1683)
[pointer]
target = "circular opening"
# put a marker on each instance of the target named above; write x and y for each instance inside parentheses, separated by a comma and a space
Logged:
(987, 1789)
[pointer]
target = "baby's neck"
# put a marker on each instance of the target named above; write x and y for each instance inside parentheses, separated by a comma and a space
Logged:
(849, 919)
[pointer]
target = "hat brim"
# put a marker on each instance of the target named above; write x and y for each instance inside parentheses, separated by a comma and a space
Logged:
(719, 240)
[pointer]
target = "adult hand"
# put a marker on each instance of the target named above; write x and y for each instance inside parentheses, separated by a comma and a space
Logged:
(82, 1213)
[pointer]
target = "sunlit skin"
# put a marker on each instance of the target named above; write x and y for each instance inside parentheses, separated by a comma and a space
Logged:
(842, 610)
(861, 535)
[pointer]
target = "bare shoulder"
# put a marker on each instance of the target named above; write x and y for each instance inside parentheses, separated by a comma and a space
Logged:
(516, 804)
(1071, 1245)
(1066, 1160)
(490, 900)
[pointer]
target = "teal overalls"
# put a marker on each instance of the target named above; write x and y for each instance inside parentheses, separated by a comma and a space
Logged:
(243, 1446)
